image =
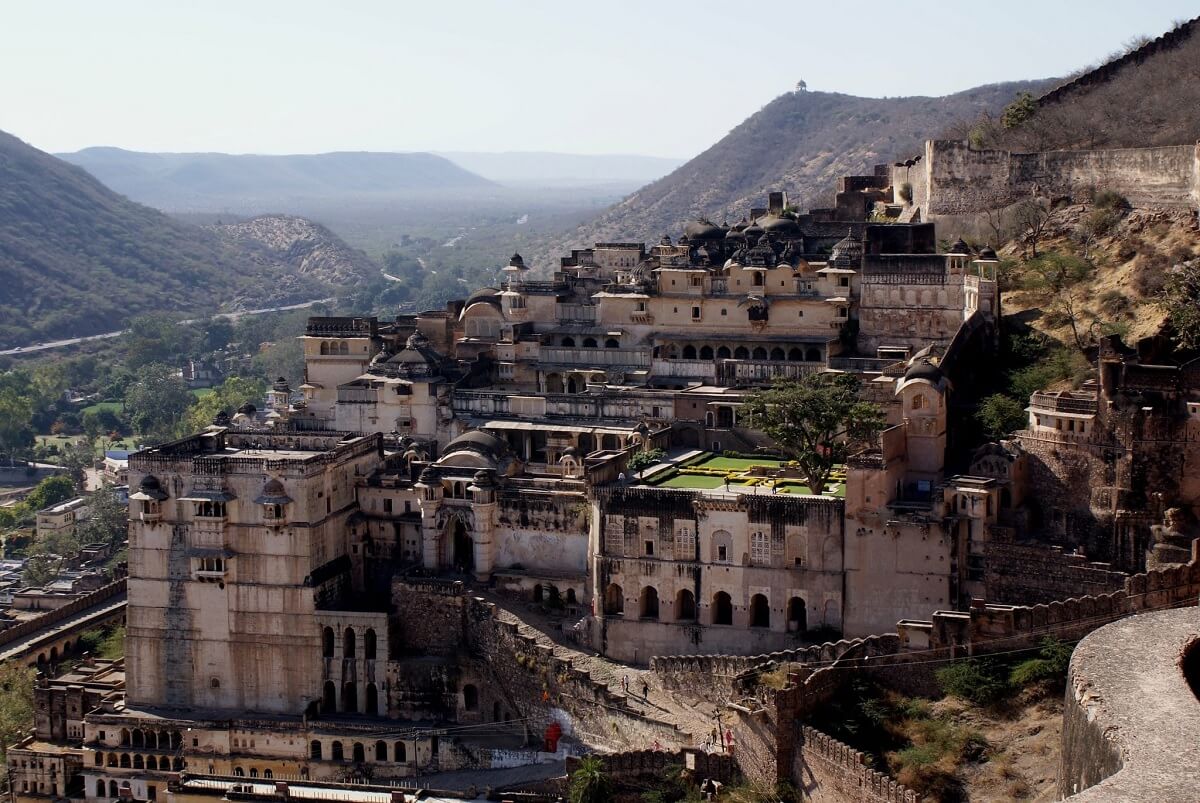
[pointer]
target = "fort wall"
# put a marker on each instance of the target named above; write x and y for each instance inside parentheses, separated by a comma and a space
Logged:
(1037, 573)
(960, 180)
(829, 771)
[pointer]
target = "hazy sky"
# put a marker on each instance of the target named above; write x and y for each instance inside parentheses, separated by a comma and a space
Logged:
(606, 76)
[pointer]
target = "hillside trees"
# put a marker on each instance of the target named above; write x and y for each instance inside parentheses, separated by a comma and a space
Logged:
(155, 403)
(1181, 297)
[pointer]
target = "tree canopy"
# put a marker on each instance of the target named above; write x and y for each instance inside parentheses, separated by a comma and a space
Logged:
(155, 403)
(816, 420)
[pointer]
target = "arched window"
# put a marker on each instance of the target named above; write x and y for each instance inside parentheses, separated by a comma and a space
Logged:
(918, 401)
(112, 759)
(689, 352)
(239, 772)
(335, 752)
(360, 754)
(685, 605)
(138, 762)
(329, 698)
(112, 789)
(760, 611)
(777, 354)
(314, 750)
(177, 764)
(614, 600)
(723, 352)
(369, 644)
(649, 602)
(327, 642)
(740, 353)
(372, 707)
(759, 353)
(589, 342)
(398, 752)
(470, 697)
(254, 772)
(125, 760)
(813, 355)
(348, 643)
(611, 343)
(268, 774)
(722, 609)
(350, 697)
(343, 347)
(100, 788)
(706, 352)
(797, 619)
(568, 342)
(381, 751)
(99, 760)
(124, 737)
(324, 348)
(795, 355)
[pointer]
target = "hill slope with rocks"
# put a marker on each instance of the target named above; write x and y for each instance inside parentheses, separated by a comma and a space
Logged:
(78, 259)
(800, 142)
(308, 249)
(189, 182)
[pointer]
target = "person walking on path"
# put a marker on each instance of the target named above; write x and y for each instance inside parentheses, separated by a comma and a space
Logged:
(645, 690)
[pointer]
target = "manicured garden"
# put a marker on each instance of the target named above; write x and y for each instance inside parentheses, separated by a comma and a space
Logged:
(743, 474)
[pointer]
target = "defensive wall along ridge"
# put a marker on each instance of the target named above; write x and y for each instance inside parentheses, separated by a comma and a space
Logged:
(952, 178)
(776, 745)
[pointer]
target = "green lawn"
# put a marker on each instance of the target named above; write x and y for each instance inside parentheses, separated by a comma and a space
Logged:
(693, 481)
(736, 463)
(113, 405)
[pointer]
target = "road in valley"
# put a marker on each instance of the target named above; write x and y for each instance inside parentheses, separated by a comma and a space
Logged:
(233, 316)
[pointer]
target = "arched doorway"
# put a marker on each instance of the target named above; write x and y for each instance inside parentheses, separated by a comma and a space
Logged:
(797, 617)
(760, 611)
(464, 548)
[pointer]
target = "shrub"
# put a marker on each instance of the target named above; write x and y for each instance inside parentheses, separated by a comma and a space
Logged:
(1000, 415)
(1049, 667)
(1114, 302)
(641, 460)
(590, 783)
(977, 680)
(906, 192)
(1110, 200)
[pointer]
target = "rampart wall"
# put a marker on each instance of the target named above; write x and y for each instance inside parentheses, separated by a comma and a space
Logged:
(31, 626)
(960, 180)
(1037, 573)
(828, 771)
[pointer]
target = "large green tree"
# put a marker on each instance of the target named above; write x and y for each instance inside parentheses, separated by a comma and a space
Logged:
(229, 395)
(15, 412)
(816, 420)
(108, 522)
(155, 403)
(16, 703)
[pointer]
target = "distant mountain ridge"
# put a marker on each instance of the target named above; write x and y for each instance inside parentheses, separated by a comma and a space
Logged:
(800, 142)
(533, 168)
(189, 182)
(77, 259)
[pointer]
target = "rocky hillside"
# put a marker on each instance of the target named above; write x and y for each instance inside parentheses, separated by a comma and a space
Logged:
(78, 259)
(251, 183)
(1134, 100)
(311, 252)
(800, 142)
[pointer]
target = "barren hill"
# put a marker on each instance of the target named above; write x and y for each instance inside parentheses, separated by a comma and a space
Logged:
(78, 259)
(800, 142)
(249, 183)
(310, 250)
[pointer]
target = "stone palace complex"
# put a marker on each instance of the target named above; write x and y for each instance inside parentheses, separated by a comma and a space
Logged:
(321, 590)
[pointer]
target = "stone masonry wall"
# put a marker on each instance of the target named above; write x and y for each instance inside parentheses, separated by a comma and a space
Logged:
(965, 181)
(1037, 573)
(828, 771)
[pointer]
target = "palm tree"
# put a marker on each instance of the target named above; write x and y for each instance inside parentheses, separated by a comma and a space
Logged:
(590, 783)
